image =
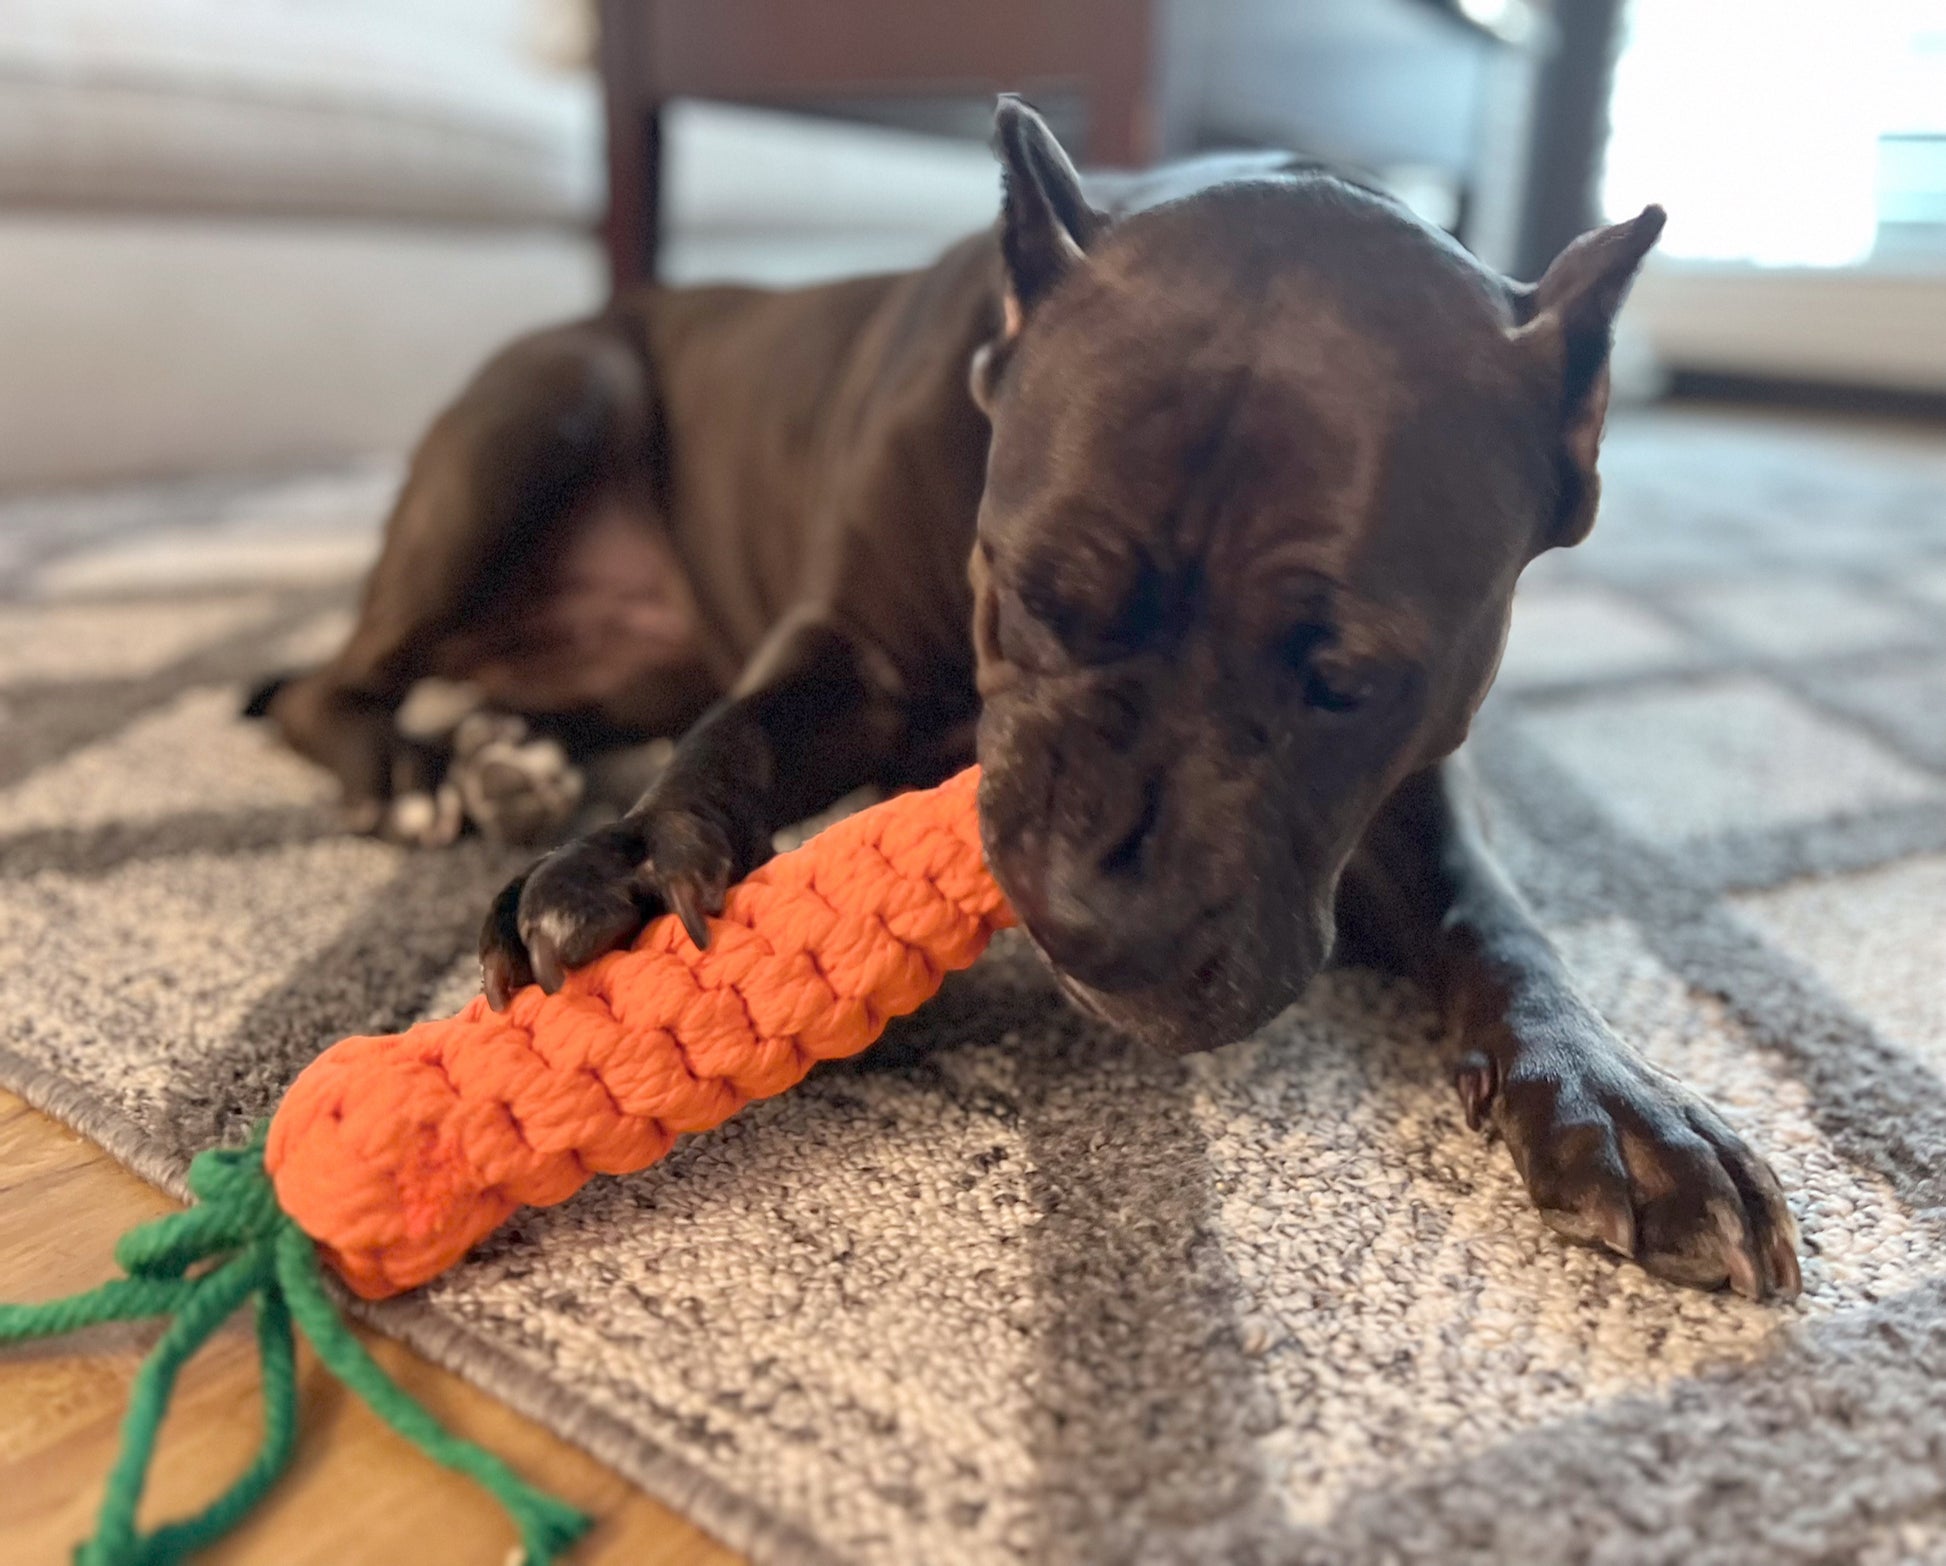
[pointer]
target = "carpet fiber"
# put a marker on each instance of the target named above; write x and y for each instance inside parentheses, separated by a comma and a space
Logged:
(1007, 1291)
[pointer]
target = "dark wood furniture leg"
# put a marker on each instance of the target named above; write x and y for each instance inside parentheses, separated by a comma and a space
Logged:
(1120, 96)
(632, 230)
(780, 52)
(1568, 133)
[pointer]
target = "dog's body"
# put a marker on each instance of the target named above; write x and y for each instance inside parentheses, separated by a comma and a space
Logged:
(1245, 479)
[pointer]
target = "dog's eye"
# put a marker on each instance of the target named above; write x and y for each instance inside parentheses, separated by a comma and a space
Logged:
(1329, 681)
(1049, 610)
(1337, 690)
(1023, 636)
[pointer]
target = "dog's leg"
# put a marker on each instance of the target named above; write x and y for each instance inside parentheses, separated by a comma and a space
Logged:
(1613, 1150)
(814, 716)
(544, 428)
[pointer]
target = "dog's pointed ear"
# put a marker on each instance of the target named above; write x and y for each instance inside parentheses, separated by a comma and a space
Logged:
(1046, 224)
(1046, 227)
(1569, 329)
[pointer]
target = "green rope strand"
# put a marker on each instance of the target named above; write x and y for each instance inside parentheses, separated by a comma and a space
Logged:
(258, 1254)
(206, 1308)
(123, 1299)
(169, 1247)
(277, 1355)
(547, 1525)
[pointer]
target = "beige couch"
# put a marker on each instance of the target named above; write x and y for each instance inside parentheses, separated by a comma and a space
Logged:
(250, 234)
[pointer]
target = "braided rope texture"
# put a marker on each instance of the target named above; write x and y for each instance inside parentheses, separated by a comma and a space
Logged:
(398, 1153)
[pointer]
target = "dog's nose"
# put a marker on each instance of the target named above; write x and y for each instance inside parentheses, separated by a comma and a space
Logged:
(1099, 906)
(1079, 945)
(1101, 929)
(1124, 951)
(1100, 958)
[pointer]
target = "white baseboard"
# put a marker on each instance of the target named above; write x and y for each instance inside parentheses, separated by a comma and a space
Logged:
(1858, 327)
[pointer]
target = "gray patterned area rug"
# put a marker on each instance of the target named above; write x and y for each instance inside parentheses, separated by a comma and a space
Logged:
(1006, 1291)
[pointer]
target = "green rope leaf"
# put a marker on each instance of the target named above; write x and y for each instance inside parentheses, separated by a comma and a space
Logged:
(547, 1525)
(121, 1299)
(278, 1358)
(206, 1308)
(169, 1247)
(254, 1253)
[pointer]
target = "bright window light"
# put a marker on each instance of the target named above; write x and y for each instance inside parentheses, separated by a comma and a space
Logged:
(1757, 123)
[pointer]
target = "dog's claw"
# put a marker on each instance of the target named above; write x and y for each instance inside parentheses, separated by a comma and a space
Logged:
(503, 959)
(549, 971)
(496, 982)
(1475, 1078)
(1615, 1227)
(1780, 1260)
(690, 901)
(1743, 1273)
(1738, 1251)
(691, 864)
(1769, 1227)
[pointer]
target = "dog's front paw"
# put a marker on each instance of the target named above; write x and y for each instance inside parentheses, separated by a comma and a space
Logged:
(593, 895)
(1617, 1153)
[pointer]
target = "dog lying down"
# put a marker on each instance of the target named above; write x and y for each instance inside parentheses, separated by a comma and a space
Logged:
(1192, 509)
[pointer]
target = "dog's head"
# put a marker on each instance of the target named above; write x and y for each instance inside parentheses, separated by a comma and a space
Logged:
(1266, 463)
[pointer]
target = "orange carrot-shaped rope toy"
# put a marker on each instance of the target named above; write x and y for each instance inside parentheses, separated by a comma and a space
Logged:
(390, 1157)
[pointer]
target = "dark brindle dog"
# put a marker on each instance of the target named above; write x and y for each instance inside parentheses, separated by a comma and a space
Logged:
(1245, 479)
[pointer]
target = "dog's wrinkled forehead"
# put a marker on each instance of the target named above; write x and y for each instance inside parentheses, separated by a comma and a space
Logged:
(1288, 375)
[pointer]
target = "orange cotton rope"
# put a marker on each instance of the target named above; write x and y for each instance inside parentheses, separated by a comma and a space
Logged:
(397, 1154)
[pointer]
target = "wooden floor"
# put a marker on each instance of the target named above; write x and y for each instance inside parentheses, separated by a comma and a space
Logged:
(355, 1492)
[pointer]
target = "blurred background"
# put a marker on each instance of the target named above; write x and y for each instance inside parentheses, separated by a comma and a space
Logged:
(245, 236)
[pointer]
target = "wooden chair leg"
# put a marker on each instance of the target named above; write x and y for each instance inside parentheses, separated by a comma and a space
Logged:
(1124, 129)
(632, 228)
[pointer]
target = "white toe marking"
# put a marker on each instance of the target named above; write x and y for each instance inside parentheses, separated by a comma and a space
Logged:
(412, 817)
(434, 709)
(449, 815)
(478, 730)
